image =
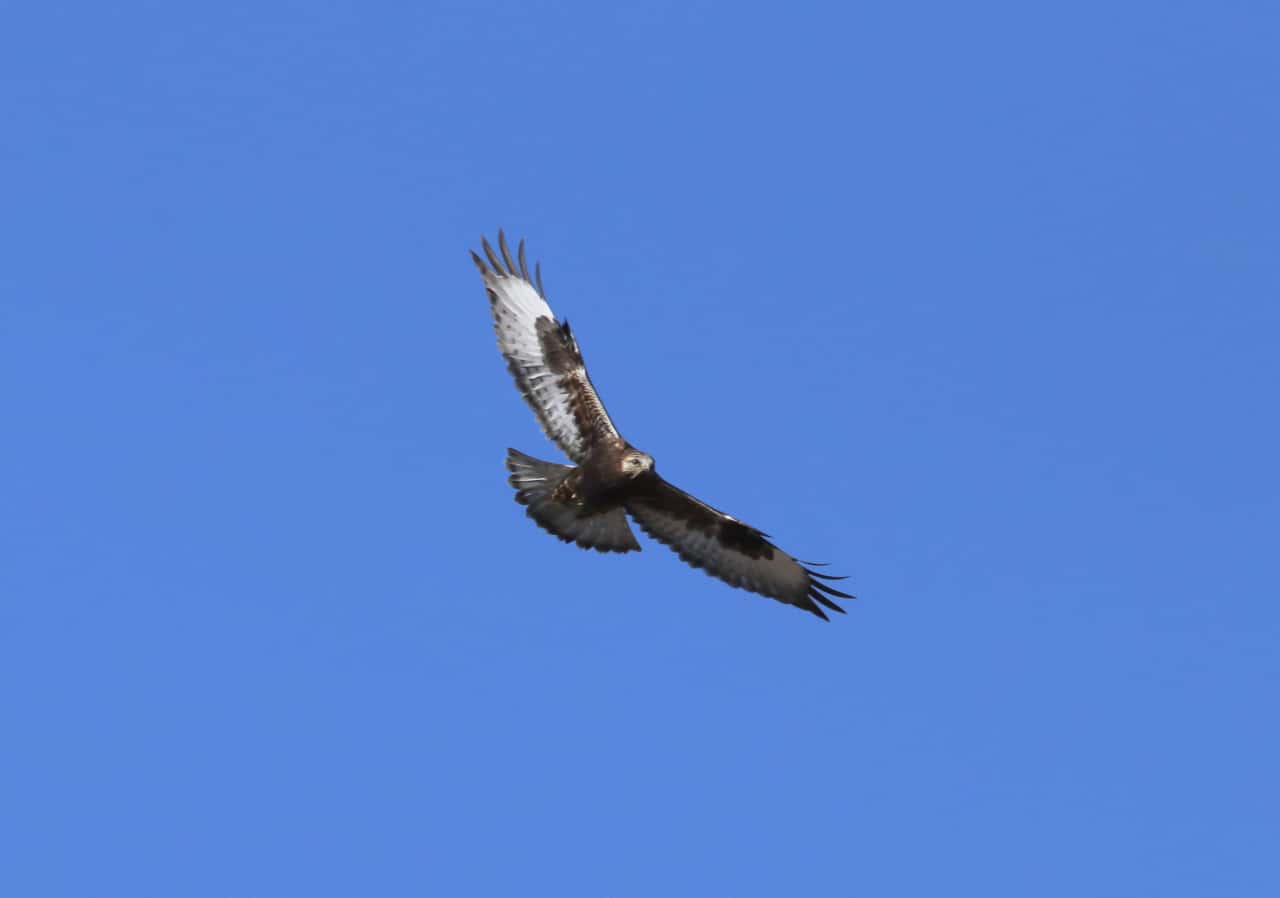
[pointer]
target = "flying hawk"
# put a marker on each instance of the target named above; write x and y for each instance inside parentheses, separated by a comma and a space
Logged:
(588, 504)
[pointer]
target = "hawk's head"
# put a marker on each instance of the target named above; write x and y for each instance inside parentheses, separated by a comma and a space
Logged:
(635, 463)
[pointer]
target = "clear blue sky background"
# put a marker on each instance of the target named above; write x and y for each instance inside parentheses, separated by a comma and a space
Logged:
(976, 301)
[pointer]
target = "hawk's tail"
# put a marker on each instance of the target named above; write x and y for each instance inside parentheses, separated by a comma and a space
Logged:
(535, 482)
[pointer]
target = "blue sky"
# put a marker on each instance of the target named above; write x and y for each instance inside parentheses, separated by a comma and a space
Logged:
(977, 302)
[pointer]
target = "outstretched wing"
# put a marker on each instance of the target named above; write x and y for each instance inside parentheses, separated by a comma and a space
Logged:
(542, 354)
(725, 547)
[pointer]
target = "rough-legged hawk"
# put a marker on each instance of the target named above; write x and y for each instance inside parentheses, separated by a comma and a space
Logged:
(588, 504)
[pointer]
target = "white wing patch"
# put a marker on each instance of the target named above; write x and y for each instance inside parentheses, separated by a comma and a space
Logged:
(542, 354)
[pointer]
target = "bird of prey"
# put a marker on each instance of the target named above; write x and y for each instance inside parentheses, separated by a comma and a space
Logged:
(588, 503)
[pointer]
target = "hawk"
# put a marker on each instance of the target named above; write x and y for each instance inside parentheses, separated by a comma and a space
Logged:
(588, 503)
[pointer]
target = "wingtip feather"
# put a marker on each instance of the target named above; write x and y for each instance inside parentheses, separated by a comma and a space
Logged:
(524, 268)
(493, 257)
(506, 253)
(816, 611)
(819, 597)
(829, 590)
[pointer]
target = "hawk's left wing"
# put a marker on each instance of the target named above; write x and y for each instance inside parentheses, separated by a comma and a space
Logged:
(726, 548)
(542, 354)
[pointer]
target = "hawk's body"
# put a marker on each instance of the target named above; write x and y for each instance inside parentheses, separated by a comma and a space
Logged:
(588, 504)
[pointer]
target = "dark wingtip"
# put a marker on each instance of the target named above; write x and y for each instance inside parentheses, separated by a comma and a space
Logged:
(816, 611)
(816, 578)
(820, 592)
(506, 253)
(819, 597)
(524, 268)
(829, 590)
(493, 257)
